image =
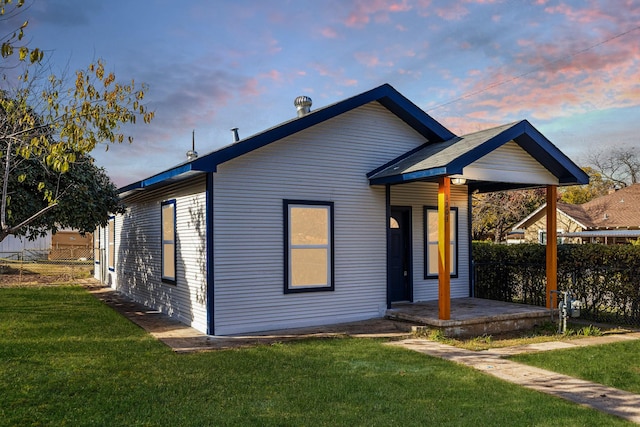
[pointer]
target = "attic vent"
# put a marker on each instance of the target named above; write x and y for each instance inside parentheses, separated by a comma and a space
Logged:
(192, 154)
(303, 105)
(234, 134)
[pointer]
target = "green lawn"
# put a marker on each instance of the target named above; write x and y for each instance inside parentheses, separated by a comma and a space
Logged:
(66, 359)
(616, 365)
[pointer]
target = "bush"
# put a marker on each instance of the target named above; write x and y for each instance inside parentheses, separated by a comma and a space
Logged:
(604, 277)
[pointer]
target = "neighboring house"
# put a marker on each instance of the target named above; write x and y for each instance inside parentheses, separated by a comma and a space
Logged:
(326, 218)
(71, 245)
(19, 247)
(610, 219)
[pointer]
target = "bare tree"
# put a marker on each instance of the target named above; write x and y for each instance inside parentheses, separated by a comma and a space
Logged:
(621, 165)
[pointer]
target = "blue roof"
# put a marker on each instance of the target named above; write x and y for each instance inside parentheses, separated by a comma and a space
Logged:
(449, 158)
(385, 94)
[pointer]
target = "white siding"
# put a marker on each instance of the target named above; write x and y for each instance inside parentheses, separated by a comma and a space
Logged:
(138, 253)
(421, 194)
(327, 162)
(12, 244)
(509, 163)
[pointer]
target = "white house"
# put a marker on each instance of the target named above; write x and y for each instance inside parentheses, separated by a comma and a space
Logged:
(326, 218)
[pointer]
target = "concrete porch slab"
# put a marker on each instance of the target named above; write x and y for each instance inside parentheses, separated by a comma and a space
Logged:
(471, 316)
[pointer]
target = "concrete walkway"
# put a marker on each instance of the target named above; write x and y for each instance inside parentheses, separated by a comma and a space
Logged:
(606, 399)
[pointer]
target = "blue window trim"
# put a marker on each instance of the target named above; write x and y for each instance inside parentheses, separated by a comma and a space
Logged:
(111, 238)
(166, 279)
(454, 210)
(285, 215)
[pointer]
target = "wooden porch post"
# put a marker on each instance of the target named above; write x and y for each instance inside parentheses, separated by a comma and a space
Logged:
(444, 248)
(552, 243)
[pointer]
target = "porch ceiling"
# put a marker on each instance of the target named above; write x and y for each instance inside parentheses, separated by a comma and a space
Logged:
(450, 157)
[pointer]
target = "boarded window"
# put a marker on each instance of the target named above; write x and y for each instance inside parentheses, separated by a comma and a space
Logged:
(431, 241)
(169, 241)
(309, 245)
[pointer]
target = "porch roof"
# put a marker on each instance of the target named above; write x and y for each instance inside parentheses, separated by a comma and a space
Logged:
(449, 157)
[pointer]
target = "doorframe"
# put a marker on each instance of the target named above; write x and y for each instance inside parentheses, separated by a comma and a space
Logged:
(408, 231)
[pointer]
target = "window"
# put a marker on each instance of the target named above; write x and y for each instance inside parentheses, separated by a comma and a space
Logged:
(111, 243)
(169, 241)
(431, 241)
(308, 232)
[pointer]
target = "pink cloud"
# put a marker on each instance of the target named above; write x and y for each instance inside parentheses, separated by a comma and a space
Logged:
(453, 12)
(370, 60)
(329, 33)
(378, 10)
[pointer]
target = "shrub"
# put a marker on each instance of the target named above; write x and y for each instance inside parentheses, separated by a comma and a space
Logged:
(604, 277)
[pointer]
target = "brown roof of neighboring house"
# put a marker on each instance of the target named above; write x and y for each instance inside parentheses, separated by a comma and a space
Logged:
(618, 209)
(576, 212)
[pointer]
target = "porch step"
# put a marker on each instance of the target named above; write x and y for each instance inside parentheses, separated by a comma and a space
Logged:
(471, 316)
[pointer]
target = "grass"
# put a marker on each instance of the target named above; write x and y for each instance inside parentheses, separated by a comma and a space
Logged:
(66, 359)
(616, 365)
(29, 272)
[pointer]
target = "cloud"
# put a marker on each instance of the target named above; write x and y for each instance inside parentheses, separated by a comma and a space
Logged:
(377, 10)
(329, 33)
(371, 60)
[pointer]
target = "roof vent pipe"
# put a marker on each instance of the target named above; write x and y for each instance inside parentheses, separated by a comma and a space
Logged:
(303, 105)
(192, 154)
(236, 137)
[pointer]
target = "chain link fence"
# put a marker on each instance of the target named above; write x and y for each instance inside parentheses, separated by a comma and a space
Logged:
(45, 266)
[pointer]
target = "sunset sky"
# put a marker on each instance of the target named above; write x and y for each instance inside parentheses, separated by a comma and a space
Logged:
(572, 68)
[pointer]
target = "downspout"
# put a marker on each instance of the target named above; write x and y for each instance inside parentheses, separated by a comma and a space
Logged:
(209, 217)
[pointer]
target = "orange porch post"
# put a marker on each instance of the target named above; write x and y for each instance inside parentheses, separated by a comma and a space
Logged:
(444, 249)
(552, 242)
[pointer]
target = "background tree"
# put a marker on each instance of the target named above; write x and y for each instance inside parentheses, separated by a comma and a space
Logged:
(620, 165)
(57, 122)
(597, 186)
(494, 214)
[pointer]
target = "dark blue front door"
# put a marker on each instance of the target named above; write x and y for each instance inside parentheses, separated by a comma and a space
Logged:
(399, 256)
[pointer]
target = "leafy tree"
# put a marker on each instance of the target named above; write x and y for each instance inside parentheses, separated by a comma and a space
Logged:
(57, 124)
(597, 186)
(85, 197)
(13, 41)
(621, 165)
(494, 214)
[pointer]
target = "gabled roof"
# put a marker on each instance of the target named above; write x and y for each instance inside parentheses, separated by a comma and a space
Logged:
(385, 94)
(573, 212)
(620, 209)
(451, 156)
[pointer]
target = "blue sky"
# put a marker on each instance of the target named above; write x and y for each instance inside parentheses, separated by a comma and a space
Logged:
(572, 68)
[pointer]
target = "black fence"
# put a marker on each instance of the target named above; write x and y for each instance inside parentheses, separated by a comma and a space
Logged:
(610, 294)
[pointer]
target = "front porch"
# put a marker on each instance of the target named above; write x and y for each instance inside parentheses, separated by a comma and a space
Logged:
(471, 316)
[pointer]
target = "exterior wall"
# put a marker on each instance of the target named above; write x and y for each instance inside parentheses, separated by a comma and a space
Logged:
(421, 194)
(137, 270)
(565, 225)
(327, 162)
(509, 163)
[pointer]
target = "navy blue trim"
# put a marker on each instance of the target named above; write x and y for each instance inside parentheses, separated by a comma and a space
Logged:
(387, 205)
(285, 216)
(453, 209)
(385, 94)
(524, 134)
(111, 238)
(470, 240)
(209, 217)
(165, 279)
(428, 174)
